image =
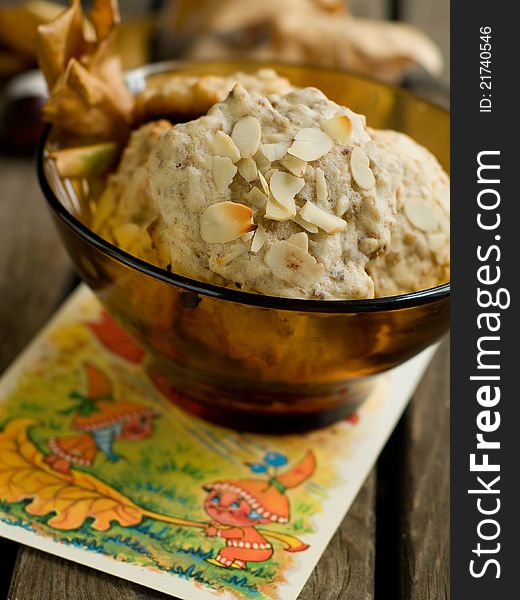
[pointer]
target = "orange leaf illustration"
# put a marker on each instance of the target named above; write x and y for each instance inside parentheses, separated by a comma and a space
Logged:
(74, 498)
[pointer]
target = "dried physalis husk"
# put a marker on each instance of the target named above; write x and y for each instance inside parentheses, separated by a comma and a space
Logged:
(259, 239)
(422, 214)
(274, 152)
(247, 134)
(293, 265)
(300, 239)
(225, 222)
(248, 169)
(223, 172)
(338, 128)
(294, 165)
(361, 171)
(87, 91)
(310, 144)
(322, 219)
(284, 188)
(224, 146)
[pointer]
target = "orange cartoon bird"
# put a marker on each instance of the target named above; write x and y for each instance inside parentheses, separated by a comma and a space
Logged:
(236, 506)
(101, 419)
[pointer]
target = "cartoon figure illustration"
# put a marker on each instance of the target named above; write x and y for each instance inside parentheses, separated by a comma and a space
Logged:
(101, 419)
(114, 339)
(237, 506)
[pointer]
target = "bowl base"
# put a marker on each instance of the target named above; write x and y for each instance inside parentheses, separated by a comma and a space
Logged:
(275, 417)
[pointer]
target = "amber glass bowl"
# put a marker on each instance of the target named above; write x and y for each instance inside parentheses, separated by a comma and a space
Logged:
(250, 361)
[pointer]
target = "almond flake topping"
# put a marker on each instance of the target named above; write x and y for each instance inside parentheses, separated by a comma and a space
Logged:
(248, 169)
(228, 258)
(421, 214)
(257, 198)
(296, 166)
(310, 144)
(438, 242)
(259, 239)
(223, 172)
(225, 222)
(284, 188)
(299, 220)
(301, 240)
(322, 219)
(369, 245)
(223, 145)
(274, 152)
(263, 183)
(293, 265)
(361, 172)
(338, 128)
(247, 134)
(322, 192)
(274, 211)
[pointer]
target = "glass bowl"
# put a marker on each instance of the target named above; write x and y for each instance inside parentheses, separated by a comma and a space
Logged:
(250, 361)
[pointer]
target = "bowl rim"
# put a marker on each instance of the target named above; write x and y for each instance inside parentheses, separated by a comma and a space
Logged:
(388, 303)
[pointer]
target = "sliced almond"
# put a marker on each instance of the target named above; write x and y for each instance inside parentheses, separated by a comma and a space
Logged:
(228, 258)
(248, 169)
(361, 171)
(322, 219)
(257, 198)
(225, 222)
(223, 172)
(247, 134)
(259, 239)
(284, 188)
(421, 214)
(369, 246)
(274, 211)
(338, 128)
(296, 166)
(274, 152)
(438, 242)
(300, 239)
(299, 220)
(224, 146)
(322, 192)
(310, 144)
(247, 237)
(261, 160)
(263, 183)
(293, 265)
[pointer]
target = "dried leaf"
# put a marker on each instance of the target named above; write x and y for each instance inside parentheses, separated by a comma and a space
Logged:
(74, 498)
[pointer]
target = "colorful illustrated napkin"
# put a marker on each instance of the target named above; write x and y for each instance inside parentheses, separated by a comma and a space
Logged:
(96, 466)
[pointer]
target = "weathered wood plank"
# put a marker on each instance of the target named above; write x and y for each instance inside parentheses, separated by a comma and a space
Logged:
(425, 509)
(346, 569)
(34, 268)
(39, 576)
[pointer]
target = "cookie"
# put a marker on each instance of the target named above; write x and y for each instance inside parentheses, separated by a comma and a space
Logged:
(419, 254)
(285, 196)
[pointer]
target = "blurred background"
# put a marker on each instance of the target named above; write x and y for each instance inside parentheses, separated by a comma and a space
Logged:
(403, 42)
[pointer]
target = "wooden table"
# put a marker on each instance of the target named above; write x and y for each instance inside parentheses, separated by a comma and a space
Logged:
(394, 543)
